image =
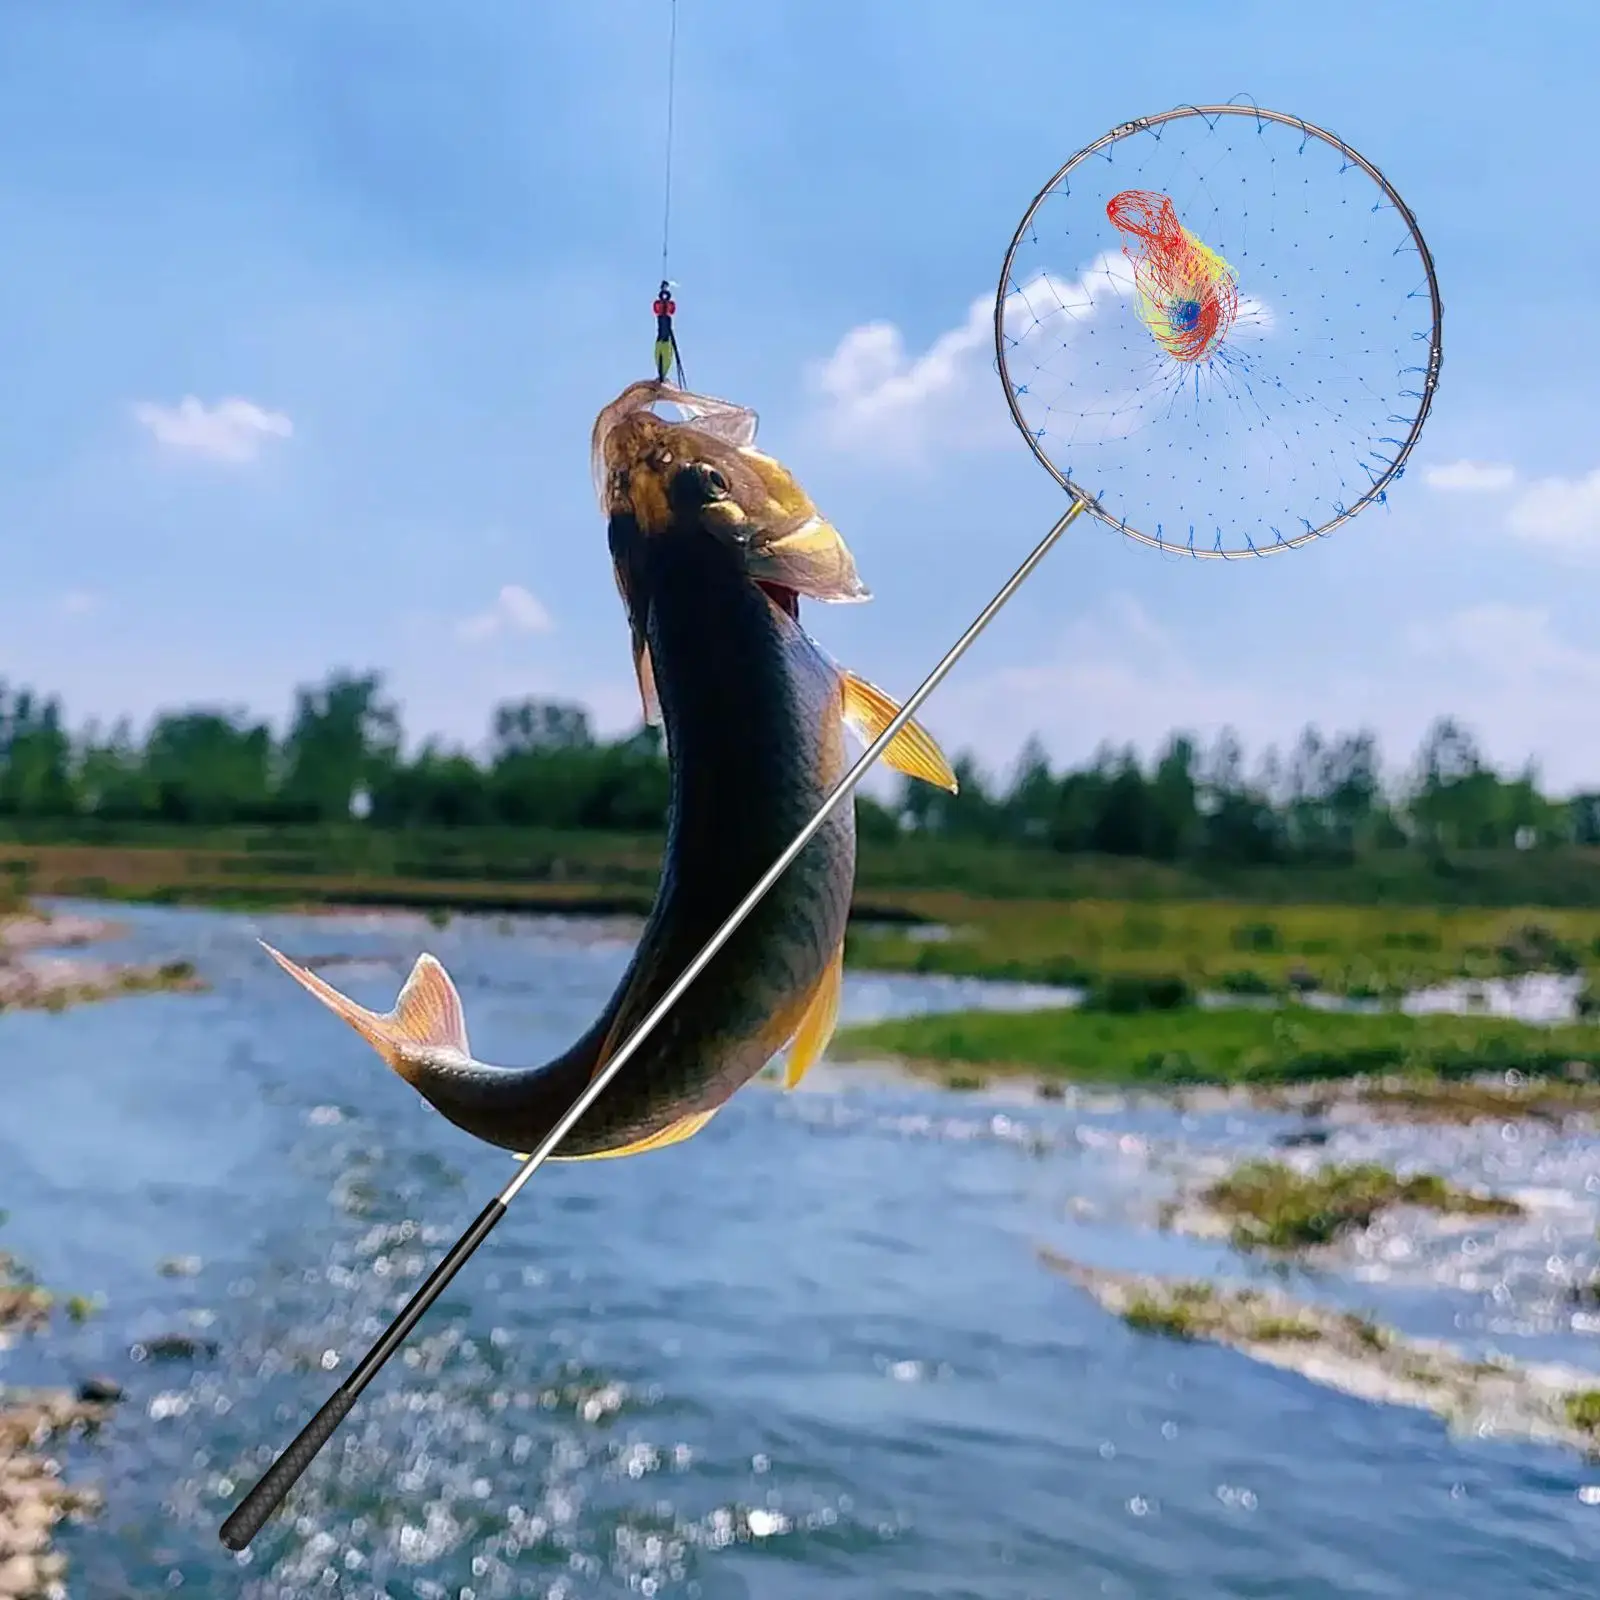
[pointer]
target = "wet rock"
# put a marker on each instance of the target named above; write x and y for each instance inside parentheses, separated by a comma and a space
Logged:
(99, 1390)
(34, 978)
(23, 1306)
(1303, 1138)
(178, 1266)
(173, 1347)
(34, 931)
(33, 1499)
(20, 1578)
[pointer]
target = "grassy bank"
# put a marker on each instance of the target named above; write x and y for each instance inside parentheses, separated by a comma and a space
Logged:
(1272, 1206)
(1243, 1047)
(1010, 912)
(1235, 945)
(1349, 1353)
(145, 856)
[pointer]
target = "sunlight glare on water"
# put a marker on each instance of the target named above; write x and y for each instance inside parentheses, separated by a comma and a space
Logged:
(813, 1351)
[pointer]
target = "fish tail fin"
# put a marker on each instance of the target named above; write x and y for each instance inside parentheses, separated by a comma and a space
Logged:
(427, 1022)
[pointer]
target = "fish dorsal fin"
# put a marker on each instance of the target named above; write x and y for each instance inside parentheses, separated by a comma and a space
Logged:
(869, 711)
(735, 425)
(426, 1018)
(817, 1025)
(673, 1133)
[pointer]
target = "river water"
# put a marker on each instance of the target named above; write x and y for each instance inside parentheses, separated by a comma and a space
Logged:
(810, 1353)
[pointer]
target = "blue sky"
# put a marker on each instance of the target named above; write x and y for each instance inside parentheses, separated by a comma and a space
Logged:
(395, 256)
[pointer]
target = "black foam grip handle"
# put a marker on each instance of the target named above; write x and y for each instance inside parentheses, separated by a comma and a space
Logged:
(279, 1478)
(251, 1512)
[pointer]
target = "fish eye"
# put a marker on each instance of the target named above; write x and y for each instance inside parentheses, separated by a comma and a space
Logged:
(714, 481)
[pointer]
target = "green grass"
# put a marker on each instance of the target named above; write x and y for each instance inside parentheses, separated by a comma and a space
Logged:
(1176, 1317)
(1247, 1047)
(1231, 945)
(1281, 1330)
(1276, 1207)
(1366, 1332)
(1583, 1410)
(1434, 1099)
(1192, 1309)
(1383, 925)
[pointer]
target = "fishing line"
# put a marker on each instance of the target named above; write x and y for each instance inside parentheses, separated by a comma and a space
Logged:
(667, 355)
(672, 75)
(1158, 393)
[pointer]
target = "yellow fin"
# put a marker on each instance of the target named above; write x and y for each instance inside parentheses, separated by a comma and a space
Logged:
(869, 711)
(427, 1015)
(816, 1027)
(673, 1133)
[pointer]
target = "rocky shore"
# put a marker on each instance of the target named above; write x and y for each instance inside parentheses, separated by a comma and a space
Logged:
(1342, 1351)
(34, 1497)
(38, 973)
(35, 975)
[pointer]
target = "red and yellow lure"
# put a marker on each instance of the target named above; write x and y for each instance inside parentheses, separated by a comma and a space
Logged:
(1188, 295)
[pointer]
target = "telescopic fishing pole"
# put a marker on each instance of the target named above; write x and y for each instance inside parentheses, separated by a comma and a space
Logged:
(259, 1504)
(1178, 458)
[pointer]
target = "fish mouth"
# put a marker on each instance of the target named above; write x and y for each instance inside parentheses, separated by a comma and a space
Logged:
(785, 599)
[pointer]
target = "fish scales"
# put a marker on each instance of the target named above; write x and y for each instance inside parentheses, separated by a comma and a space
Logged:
(713, 545)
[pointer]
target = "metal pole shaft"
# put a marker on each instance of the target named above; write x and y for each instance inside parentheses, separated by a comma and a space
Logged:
(842, 791)
(253, 1511)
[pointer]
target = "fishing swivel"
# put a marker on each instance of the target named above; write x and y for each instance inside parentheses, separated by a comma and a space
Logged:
(667, 356)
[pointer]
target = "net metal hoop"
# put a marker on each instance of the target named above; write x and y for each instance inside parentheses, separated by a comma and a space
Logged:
(1430, 379)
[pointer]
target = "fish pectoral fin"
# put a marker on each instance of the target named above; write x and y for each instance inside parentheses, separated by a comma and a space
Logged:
(869, 711)
(427, 1021)
(817, 1025)
(673, 1133)
(644, 670)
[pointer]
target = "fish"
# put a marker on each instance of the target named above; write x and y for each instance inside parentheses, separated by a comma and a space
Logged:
(713, 544)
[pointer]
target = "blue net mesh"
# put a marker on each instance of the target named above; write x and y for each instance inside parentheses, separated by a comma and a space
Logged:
(1223, 328)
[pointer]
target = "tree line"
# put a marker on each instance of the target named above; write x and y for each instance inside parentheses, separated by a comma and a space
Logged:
(343, 758)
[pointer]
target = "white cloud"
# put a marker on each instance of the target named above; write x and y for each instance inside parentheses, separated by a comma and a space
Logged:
(515, 610)
(875, 397)
(1471, 476)
(1562, 514)
(232, 430)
